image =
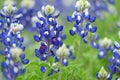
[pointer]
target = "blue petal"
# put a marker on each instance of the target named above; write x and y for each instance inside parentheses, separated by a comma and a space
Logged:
(21, 39)
(116, 55)
(64, 62)
(69, 19)
(3, 64)
(60, 28)
(22, 56)
(92, 19)
(1, 24)
(110, 60)
(36, 38)
(97, 76)
(37, 54)
(94, 29)
(43, 69)
(116, 45)
(72, 32)
(26, 61)
(100, 56)
(38, 25)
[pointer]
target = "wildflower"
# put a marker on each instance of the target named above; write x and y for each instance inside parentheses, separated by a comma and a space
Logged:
(83, 20)
(50, 35)
(115, 60)
(13, 50)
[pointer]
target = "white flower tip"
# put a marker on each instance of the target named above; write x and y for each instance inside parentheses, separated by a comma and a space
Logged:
(48, 9)
(81, 5)
(16, 51)
(62, 51)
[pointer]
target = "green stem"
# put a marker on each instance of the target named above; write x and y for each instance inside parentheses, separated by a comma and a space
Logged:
(48, 44)
(60, 73)
(15, 78)
(45, 75)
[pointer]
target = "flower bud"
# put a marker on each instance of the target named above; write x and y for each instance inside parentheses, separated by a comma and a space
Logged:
(103, 75)
(105, 43)
(62, 52)
(81, 5)
(15, 51)
(9, 9)
(48, 9)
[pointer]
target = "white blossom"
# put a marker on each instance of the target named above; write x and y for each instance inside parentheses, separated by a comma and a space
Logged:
(16, 51)
(62, 51)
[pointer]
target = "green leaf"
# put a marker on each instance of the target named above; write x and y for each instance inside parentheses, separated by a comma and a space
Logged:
(51, 60)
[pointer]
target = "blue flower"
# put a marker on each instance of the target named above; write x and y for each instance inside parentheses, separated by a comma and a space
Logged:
(13, 51)
(83, 20)
(50, 35)
(115, 60)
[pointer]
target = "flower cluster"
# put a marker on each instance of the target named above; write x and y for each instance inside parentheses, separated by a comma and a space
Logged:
(83, 20)
(13, 50)
(115, 60)
(50, 35)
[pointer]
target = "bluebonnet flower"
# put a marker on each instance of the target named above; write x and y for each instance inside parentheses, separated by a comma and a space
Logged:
(83, 20)
(13, 50)
(115, 60)
(100, 6)
(10, 14)
(50, 35)
(103, 75)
